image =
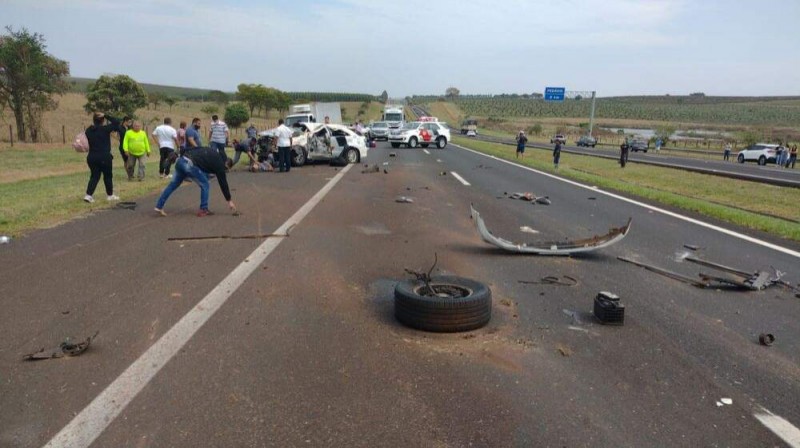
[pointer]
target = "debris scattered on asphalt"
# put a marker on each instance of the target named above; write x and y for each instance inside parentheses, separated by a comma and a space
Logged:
(65, 312)
(592, 198)
(237, 213)
(527, 229)
(372, 169)
(505, 302)
(126, 205)
(227, 237)
(404, 200)
(443, 173)
(692, 247)
(719, 404)
(564, 350)
(5, 239)
(576, 318)
(766, 339)
(385, 163)
(385, 171)
(727, 401)
(66, 348)
(665, 272)
(564, 280)
(568, 247)
(608, 309)
(391, 154)
(523, 196)
(574, 328)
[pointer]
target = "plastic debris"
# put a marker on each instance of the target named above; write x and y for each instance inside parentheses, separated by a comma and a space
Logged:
(404, 200)
(727, 401)
(5, 239)
(66, 348)
(527, 229)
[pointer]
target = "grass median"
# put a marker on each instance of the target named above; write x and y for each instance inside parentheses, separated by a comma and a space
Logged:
(767, 208)
(41, 188)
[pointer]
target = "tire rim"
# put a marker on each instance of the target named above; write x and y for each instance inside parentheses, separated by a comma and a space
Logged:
(443, 291)
(441, 143)
(351, 156)
(412, 143)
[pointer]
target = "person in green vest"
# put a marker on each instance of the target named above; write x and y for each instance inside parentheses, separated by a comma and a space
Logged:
(137, 146)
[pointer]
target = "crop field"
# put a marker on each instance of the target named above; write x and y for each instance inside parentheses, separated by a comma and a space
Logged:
(780, 111)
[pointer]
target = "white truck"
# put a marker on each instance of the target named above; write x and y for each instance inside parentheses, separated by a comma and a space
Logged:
(394, 115)
(313, 113)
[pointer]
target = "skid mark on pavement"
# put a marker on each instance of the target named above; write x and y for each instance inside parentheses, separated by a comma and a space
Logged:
(94, 418)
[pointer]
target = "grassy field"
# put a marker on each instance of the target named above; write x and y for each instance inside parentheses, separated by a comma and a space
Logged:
(768, 208)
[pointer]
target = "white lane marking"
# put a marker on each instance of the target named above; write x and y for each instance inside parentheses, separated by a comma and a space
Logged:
(426, 151)
(460, 179)
(741, 236)
(94, 418)
(782, 428)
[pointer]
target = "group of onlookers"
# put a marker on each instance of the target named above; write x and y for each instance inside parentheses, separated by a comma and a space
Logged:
(786, 156)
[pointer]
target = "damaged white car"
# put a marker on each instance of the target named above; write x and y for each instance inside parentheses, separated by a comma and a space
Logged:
(326, 142)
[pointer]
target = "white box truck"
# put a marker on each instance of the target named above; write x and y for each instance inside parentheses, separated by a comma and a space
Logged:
(313, 113)
(394, 115)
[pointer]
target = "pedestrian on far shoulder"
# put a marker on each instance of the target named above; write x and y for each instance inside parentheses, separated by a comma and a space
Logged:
(99, 158)
(284, 136)
(521, 141)
(779, 151)
(137, 147)
(726, 152)
(792, 157)
(624, 148)
(218, 135)
(166, 137)
(557, 153)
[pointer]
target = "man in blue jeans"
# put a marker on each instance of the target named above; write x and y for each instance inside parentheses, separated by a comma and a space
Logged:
(196, 165)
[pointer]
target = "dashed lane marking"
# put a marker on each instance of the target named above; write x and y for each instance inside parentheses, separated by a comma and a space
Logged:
(460, 179)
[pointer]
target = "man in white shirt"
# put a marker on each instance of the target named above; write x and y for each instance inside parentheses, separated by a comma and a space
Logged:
(218, 136)
(166, 138)
(284, 136)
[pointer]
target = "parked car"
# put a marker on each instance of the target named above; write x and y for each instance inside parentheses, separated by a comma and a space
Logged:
(762, 153)
(411, 134)
(469, 125)
(636, 145)
(559, 138)
(472, 133)
(587, 140)
(379, 130)
(326, 142)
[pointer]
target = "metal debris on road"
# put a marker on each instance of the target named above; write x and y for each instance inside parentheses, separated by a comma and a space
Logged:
(404, 200)
(564, 280)
(666, 273)
(532, 198)
(443, 173)
(592, 198)
(615, 235)
(5, 239)
(126, 205)
(692, 247)
(66, 348)
(766, 339)
(727, 401)
(227, 237)
(564, 350)
(526, 229)
(373, 169)
(576, 319)
(237, 213)
(391, 154)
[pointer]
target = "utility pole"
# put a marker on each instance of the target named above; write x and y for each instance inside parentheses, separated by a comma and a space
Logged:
(591, 116)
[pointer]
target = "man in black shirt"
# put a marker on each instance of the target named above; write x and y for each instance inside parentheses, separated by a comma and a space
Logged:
(99, 158)
(123, 128)
(196, 165)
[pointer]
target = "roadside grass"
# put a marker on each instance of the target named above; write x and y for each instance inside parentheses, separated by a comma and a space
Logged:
(29, 162)
(51, 200)
(742, 203)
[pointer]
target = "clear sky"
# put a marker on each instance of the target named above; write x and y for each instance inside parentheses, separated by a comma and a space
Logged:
(616, 47)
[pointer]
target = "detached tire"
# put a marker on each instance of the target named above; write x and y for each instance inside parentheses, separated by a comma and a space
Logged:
(443, 313)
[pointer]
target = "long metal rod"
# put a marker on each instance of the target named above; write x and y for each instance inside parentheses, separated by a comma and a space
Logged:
(719, 267)
(666, 273)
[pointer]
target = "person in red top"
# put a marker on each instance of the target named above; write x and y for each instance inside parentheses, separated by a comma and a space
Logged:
(426, 136)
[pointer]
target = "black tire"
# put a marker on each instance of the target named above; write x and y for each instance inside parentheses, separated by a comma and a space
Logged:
(740, 159)
(412, 142)
(299, 157)
(424, 145)
(762, 160)
(351, 155)
(441, 142)
(443, 314)
(395, 145)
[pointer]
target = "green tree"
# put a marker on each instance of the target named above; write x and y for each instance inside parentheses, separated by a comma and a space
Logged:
(209, 109)
(664, 132)
(749, 137)
(384, 97)
(116, 95)
(155, 98)
(451, 92)
(219, 97)
(29, 78)
(170, 100)
(536, 129)
(236, 115)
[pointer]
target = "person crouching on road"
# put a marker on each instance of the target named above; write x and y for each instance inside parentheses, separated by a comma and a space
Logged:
(166, 137)
(521, 141)
(196, 165)
(137, 146)
(247, 146)
(284, 136)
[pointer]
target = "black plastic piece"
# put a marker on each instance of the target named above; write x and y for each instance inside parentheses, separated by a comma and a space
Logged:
(608, 309)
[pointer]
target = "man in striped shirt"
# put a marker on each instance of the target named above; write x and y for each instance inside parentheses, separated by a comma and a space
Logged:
(218, 136)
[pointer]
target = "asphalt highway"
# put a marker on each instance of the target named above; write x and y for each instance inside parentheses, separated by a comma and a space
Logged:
(769, 174)
(290, 339)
